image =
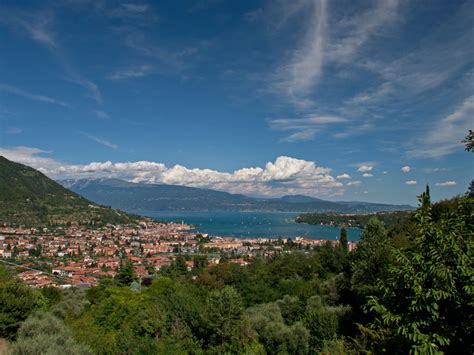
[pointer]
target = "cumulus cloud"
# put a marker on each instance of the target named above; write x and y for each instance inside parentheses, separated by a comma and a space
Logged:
(343, 176)
(406, 169)
(365, 168)
(285, 175)
(446, 183)
(367, 175)
(354, 183)
(410, 182)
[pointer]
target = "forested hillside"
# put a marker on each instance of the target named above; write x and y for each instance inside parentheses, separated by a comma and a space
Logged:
(27, 197)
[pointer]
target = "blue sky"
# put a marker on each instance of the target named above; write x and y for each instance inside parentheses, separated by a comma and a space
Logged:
(341, 100)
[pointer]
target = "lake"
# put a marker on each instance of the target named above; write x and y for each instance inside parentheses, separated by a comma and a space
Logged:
(252, 224)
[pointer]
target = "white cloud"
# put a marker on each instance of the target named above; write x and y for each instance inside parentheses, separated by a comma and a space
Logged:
(365, 168)
(446, 183)
(31, 157)
(373, 95)
(35, 97)
(354, 183)
(446, 135)
(353, 32)
(301, 73)
(406, 169)
(132, 72)
(285, 175)
(326, 41)
(343, 176)
(410, 182)
(367, 175)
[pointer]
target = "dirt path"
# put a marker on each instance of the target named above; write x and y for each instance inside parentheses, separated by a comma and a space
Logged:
(3, 346)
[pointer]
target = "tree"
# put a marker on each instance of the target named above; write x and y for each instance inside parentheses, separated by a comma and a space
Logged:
(322, 324)
(470, 191)
(469, 141)
(42, 333)
(343, 242)
(17, 301)
(426, 303)
(266, 321)
(371, 257)
(126, 274)
(224, 309)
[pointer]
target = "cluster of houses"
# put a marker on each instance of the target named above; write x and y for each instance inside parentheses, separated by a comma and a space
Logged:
(79, 256)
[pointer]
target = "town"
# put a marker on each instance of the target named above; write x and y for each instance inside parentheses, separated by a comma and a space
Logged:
(78, 256)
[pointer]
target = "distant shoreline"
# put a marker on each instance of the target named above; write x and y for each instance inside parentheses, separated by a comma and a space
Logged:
(271, 225)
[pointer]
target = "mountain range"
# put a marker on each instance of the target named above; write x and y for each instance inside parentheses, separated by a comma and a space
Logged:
(138, 197)
(28, 197)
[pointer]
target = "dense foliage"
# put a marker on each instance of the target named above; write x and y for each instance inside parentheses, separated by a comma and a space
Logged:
(27, 197)
(403, 290)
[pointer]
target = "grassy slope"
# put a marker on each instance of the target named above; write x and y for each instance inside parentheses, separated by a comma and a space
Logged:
(28, 197)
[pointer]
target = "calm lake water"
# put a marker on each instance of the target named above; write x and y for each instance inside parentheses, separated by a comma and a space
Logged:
(252, 224)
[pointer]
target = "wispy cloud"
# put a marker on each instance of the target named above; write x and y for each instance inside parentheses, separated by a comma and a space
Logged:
(298, 76)
(354, 183)
(327, 41)
(39, 26)
(101, 141)
(14, 130)
(411, 182)
(354, 130)
(446, 135)
(133, 12)
(350, 34)
(444, 53)
(101, 114)
(138, 8)
(303, 128)
(35, 97)
(132, 72)
(178, 58)
(446, 183)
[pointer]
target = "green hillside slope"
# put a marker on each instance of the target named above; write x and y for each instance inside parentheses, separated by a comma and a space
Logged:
(30, 198)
